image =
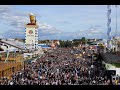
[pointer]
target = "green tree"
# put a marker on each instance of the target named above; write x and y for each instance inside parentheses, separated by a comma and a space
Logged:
(62, 43)
(76, 42)
(83, 40)
(65, 43)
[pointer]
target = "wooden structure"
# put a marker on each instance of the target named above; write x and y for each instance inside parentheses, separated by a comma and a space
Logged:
(7, 69)
(12, 57)
(13, 64)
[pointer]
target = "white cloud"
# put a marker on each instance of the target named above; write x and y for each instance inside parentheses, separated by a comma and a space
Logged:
(93, 32)
(44, 26)
(63, 22)
(4, 8)
(18, 19)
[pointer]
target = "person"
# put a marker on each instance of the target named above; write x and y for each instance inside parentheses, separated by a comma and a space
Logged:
(116, 82)
(11, 83)
(63, 69)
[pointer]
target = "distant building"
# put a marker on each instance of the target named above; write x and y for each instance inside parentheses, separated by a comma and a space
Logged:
(55, 43)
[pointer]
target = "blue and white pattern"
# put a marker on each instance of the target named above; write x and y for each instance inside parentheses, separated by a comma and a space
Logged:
(109, 27)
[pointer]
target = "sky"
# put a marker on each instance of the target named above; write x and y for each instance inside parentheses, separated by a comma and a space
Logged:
(65, 22)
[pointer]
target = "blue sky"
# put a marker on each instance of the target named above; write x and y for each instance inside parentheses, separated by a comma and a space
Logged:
(58, 21)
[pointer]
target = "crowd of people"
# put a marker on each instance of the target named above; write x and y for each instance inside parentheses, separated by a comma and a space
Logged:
(61, 67)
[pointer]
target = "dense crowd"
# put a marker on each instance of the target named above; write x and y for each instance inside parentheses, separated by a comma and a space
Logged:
(61, 67)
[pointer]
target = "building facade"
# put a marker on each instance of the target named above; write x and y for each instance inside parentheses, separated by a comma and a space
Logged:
(31, 34)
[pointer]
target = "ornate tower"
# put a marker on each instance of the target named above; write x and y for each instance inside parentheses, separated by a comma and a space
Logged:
(31, 34)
